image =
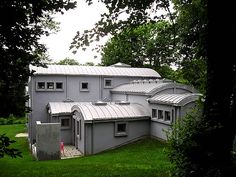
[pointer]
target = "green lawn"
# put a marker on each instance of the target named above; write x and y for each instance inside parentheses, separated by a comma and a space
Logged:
(143, 158)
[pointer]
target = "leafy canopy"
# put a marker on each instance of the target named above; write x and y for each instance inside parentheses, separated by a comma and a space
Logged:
(22, 23)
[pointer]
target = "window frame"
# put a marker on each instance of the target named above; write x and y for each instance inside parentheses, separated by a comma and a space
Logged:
(82, 89)
(48, 86)
(69, 121)
(46, 89)
(108, 86)
(121, 133)
(162, 114)
(154, 113)
(165, 116)
(59, 83)
(78, 129)
(37, 86)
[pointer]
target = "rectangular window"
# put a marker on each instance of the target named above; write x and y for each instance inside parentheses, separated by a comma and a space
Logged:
(65, 123)
(160, 114)
(41, 85)
(84, 86)
(59, 85)
(173, 116)
(79, 129)
(167, 115)
(121, 129)
(50, 85)
(107, 83)
(154, 113)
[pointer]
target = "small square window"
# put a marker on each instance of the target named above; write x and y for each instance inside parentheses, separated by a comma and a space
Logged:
(121, 129)
(84, 86)
(160, 114)
(107, 83)
(65, 123)
(167, 115)
(50, 85)
(59, 85)
(41, 85)
(154, 113)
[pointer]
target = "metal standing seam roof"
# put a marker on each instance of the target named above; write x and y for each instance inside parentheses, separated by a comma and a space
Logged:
(94, 70)
(110, 111)
(146, 88)
(57, 108)
(174, 99)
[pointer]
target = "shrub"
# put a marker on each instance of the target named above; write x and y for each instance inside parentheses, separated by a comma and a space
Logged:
(185, 149)
(12, 120)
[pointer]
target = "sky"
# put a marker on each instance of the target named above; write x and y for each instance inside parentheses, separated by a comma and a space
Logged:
(82, 18)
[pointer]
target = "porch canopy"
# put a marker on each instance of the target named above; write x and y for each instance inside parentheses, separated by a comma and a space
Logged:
(60, 108)
(101, 111)
(174, 99)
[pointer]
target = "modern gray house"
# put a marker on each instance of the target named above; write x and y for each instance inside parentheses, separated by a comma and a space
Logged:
(100, 108)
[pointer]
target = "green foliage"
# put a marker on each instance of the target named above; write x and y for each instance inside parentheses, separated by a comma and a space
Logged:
(20, 32)
(5, 148)
(12, 120)
(149, 44)
(67, 61)
(186, 151)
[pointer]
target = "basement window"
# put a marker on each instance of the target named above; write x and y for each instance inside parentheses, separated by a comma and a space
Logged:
(121, 129)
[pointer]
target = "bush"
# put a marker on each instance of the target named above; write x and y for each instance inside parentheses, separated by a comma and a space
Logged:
(12, 120)
(185, 150)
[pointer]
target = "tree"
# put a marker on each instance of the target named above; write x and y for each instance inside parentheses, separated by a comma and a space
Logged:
(22, 23)
(67, 61)
(149, 44)
(200, 28)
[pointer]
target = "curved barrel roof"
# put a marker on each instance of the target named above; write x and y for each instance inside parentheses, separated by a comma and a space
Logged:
(94, 71)
(149, 87)
(57, 108)
(174, 99)
(110, 111)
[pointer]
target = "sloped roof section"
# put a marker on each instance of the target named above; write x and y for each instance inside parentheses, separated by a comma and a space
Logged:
(149, 87)
(94, 71)
(111, 111)
(174, 99)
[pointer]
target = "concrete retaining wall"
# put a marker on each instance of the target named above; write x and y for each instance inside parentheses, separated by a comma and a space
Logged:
(48, 141)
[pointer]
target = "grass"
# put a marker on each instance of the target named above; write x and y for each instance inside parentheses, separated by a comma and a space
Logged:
(143, 158)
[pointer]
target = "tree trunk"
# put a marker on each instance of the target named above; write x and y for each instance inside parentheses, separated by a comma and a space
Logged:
(220, 83)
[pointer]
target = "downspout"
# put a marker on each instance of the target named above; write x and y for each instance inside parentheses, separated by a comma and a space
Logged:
(33, 83)
(66, 87)
(100, 88)
(92, 130)
(84, 138)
